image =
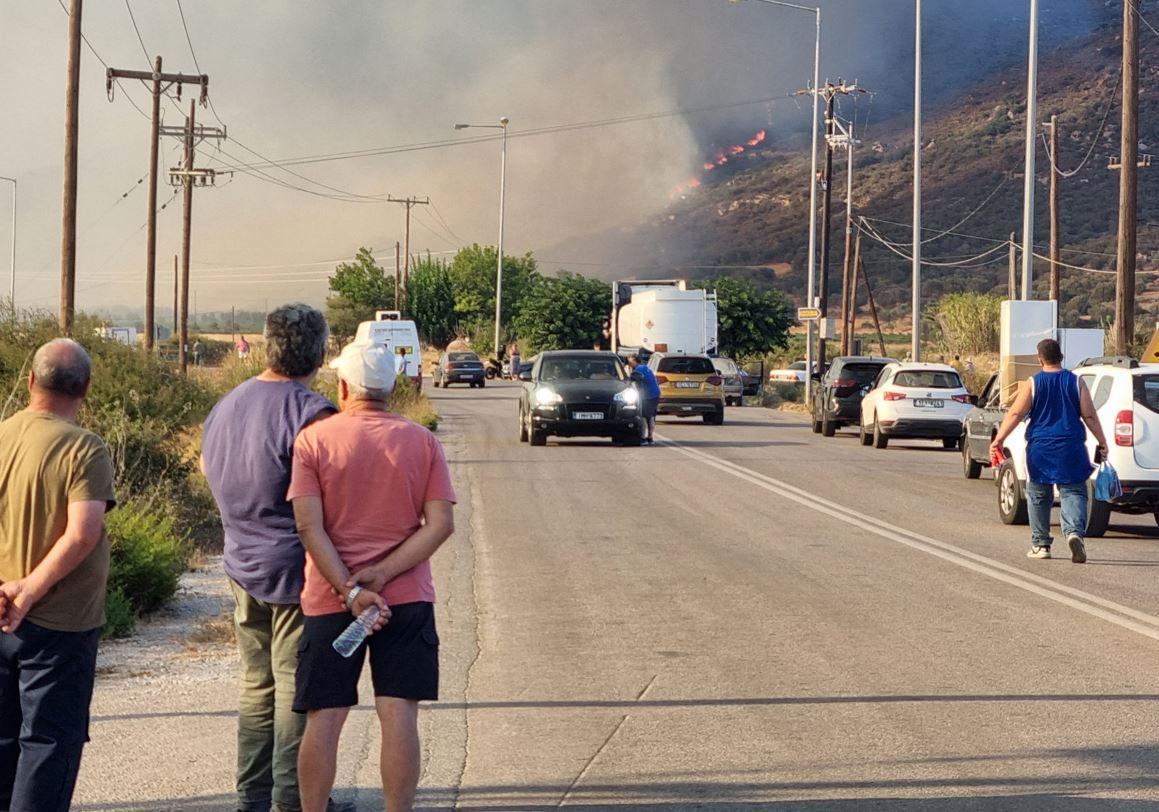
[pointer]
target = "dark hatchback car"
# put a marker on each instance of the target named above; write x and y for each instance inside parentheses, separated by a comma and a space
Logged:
(459, 367)
(980, 427)
(579, 393)
(837, 396)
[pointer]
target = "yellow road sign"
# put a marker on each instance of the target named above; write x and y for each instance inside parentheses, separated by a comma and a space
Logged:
(808, 313)
(1151, 354)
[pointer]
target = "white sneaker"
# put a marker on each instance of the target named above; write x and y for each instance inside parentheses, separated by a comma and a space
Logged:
(1038, 552)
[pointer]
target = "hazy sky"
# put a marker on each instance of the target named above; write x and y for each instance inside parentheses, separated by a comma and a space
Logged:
(308, 78)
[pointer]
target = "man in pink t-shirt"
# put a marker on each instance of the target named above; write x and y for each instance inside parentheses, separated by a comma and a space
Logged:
(373, 500)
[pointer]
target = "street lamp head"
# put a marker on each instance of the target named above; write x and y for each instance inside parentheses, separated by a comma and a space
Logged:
(462, 126)
(503, 122)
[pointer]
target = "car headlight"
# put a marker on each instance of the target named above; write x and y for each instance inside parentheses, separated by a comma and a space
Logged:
(547, 397)
(629, 396)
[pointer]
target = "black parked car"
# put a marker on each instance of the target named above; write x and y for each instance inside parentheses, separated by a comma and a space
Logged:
(837, 395)
(579, 393)
(979, 428)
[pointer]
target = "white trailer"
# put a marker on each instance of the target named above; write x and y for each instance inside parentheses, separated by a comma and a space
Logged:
(663, 316)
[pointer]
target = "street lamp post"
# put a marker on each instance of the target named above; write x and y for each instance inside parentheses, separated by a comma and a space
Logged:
(502, 125)
(12, 268)
(816, 11)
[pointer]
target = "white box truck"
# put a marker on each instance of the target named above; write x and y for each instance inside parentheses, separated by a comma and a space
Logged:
(663, 315)
(401, 337)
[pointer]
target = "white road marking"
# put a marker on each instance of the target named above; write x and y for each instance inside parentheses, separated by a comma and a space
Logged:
(1110, 611)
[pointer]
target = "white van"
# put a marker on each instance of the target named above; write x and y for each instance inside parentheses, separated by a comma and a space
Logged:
(401, 337)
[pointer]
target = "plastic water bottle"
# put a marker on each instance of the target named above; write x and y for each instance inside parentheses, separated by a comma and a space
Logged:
(358, 630)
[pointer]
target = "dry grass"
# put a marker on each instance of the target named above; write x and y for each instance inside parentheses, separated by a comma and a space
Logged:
(212, 631)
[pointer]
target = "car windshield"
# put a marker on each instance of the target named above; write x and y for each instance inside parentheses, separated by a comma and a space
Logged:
(459, 357)
(581, 369)
(724, 366)
(928, 379)
(686, 365)
(861, 373)
(1147, 391)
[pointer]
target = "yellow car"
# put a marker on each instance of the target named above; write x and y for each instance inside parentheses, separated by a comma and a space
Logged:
(689, 386)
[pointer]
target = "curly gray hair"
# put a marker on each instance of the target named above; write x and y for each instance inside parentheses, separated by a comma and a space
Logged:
(295, 340)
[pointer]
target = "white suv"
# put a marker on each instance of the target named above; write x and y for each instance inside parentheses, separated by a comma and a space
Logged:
(1126, 397)
(915, 401)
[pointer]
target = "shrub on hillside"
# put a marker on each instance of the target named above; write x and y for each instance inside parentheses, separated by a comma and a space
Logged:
(148, 556)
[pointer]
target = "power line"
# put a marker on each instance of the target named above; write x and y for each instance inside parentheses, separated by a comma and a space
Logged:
(1139, 14)
(98, 57)
(144, 50)
(1095, 142)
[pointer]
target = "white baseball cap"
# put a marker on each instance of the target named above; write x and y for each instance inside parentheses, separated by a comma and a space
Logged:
(371, 366)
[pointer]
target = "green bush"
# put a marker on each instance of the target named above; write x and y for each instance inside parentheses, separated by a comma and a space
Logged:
(148, 556)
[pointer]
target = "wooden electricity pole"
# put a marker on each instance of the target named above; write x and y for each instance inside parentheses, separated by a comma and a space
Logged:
(849, 307)
(154, 80)
(186, 229)
(397, 277)
(1128, 183)
(68, 219)
(175, 289)
(409, 202)
(1054, 235)
(1013, 259)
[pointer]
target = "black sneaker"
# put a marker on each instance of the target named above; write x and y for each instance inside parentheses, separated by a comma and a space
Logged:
(1078, 550)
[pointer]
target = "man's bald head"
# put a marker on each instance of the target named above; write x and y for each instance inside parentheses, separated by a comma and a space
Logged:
(62, 367)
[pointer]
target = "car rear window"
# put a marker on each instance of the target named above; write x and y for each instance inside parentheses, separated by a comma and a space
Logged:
(862, 373)
(581, 369)
(797, 365)
(927, 379)
(1147, 391)
(459, 357)
(680, 365)
(724, 366)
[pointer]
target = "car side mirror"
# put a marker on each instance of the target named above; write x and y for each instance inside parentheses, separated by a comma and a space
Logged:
(525, 376)
(636, 377)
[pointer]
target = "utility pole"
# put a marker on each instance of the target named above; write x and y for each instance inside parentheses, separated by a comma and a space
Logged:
(408, 202)
(186, 228)
(71, 126)
(154, 80)
(1054, 235)
(1013, 266)
(186, 176)
(916, 270)
(175, 296)
(830, 91)
(397, 277)
(1128, 183)
(1031, 135)
(850, 142)
(850, 311)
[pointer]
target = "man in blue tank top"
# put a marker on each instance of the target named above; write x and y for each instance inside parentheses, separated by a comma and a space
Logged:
(1058, 404)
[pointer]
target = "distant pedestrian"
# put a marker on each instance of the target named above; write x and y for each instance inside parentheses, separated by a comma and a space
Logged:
(56, 483)
(1058, 404)
(373, 497)
(515, 359)
(243, 348)
(247, 447)
(198, 350)
(970, 366)
(649, 395)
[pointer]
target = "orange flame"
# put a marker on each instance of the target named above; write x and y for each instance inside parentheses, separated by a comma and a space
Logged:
(736, 150)
(709, 167)
(756, 139)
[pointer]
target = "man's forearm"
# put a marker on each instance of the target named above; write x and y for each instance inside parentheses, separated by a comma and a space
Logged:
(65, 556)
(417, 548)
(321, 549)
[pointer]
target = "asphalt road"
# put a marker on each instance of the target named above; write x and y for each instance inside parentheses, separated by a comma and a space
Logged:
(740, 617)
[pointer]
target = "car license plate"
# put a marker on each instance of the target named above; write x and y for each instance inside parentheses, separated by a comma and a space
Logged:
(928, 404)
(688, 384)
(587, 415)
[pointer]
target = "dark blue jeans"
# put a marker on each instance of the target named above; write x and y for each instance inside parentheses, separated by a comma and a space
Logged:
(46, 685)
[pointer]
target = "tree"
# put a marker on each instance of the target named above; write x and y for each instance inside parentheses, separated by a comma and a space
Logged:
(968, 322)
(562, 312)
(751, 321)
(472, 274)
(359, 287)
(430, 301)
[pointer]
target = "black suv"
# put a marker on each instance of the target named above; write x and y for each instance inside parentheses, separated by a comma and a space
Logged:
(837, 395)
(979, 428)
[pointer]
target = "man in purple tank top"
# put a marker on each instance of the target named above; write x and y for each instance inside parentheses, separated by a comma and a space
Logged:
(1058, 405)
(247, 452)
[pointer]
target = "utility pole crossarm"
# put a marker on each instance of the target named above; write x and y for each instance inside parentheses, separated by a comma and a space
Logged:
(179, 79)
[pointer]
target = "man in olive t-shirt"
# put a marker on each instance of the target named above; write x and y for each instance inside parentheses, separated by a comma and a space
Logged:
(56, 483)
